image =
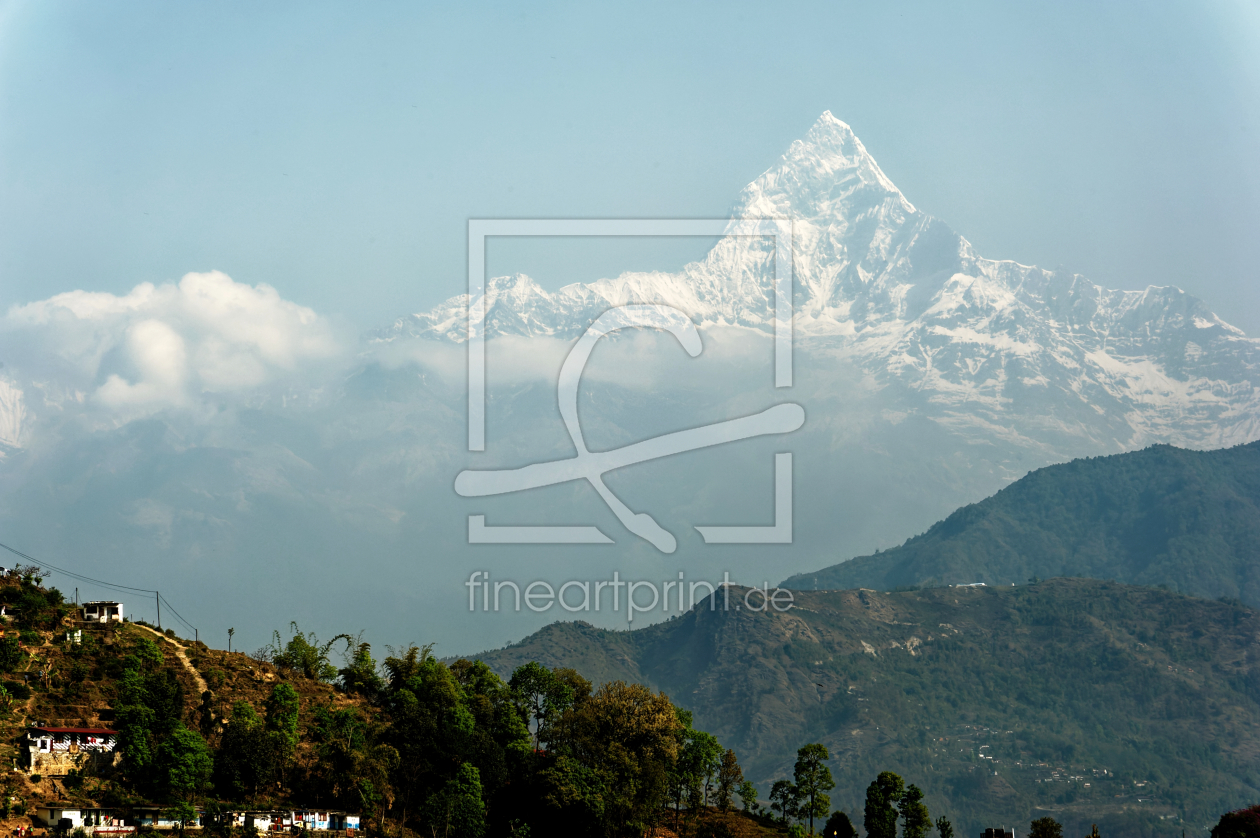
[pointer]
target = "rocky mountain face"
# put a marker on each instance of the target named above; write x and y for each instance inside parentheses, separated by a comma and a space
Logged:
(1088, 701)
(1189, 520)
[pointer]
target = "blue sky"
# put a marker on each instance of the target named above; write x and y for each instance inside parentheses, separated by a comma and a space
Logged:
(335, 151)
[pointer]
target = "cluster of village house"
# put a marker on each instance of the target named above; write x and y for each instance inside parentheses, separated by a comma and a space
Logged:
(56, 751)
(107, 822)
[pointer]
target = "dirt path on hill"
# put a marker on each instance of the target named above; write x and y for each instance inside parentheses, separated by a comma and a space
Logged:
(182, 655)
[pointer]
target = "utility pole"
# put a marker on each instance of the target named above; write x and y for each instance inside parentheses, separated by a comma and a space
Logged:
(157, 597)
(231, 632)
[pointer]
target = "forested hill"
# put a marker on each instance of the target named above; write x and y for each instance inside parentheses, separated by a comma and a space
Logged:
(1134, 708)
(1189, 520)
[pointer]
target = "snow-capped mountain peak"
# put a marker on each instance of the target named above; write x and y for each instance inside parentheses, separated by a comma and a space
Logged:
(820, 176)
(978, 342)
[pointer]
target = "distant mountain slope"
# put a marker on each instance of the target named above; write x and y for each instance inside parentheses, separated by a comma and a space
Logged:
(1087, 700)
(1161, 516)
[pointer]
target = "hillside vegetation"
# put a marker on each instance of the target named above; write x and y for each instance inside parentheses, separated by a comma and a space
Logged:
(415, 745)
(1189, 520)
(1133, 708)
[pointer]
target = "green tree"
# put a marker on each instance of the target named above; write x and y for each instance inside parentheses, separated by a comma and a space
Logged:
(1046, 827)
(695, 750)
(247, 759)
(914, 813)
(705, 758)
(628, 736)
(882, 795)
(183, 813)
(350, 771)
(430, 725)
(729, 776)
(783, 797)
(149, 706)
(282, 715)
(839, 826)
(370, 780)
(405, 663)
(541, 696)
(185, 763)
(813, 781)
(457, 810)
(748, 795)
(281, 725)
(359, 676)
(573, 797)
(491, 702)
(305, 654)
(944, 828)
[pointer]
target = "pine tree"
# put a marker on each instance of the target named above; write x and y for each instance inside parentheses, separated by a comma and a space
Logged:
(914, 813)
(730, 775)
(813, 781)
(882, 796)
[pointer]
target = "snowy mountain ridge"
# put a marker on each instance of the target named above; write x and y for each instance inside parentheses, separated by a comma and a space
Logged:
(983, 345)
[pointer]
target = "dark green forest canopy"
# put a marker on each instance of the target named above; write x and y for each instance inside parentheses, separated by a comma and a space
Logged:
(1189, 520)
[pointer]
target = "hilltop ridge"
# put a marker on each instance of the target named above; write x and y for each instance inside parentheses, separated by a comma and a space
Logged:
(1161, 516)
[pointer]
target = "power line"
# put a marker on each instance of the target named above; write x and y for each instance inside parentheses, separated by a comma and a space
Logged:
(78, 576)
(111, 585)
(176, 613)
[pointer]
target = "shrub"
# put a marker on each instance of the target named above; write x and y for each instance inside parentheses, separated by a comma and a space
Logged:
(10, 654)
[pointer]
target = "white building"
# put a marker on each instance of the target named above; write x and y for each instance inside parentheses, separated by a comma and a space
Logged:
(101, 611)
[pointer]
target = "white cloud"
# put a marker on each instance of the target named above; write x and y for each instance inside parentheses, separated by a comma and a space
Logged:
(159, 356)
(12, 415)
(163, 346)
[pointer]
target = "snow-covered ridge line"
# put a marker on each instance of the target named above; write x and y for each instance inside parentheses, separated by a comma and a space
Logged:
(899, 292)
